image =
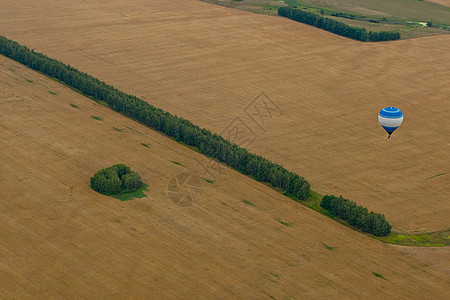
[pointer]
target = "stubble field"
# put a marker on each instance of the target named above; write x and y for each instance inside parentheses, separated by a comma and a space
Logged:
(208, 63)
(441, 2)
(60, 239)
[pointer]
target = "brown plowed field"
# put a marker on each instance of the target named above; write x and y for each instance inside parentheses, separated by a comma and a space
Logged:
(60, 239)
(207, 63)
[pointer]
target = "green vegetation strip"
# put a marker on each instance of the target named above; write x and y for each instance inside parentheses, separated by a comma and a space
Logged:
(207, 180)
(336, 27)
(118, 129)
(378, 275)
(287, 224)
(177, 163)
(183, 131)
(328, 247)
(97, 118)
(431, 239)
(248, 202)
(435, 176)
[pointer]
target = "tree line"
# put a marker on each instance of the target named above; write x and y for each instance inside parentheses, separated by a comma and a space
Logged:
(182, 130)
(117, 179)
(356, 215)
(336, 27)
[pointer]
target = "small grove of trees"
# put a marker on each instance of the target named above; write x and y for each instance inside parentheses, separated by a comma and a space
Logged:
(117, 179)
(356, 215)
(336, 27)
(180, 129)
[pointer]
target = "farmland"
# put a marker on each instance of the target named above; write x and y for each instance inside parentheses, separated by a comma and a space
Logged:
(409, 17)
(307, 99)
(61, 239)
(202, 65)
(405, 10)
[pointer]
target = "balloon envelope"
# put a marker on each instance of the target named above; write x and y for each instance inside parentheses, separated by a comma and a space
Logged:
(390, 118)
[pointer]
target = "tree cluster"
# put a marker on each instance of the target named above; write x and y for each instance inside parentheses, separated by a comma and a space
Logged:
(356, 215)
(336, 27)
(117, 179)
(178, 128)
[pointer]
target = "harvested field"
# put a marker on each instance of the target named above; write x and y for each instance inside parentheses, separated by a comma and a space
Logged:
(436, 257)
(60, 239)
(208, 63)
(441, 2)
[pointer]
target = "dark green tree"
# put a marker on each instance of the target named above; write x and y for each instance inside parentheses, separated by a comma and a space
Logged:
(336, 27)
(131, 182)
(356, 215)
(117, 179)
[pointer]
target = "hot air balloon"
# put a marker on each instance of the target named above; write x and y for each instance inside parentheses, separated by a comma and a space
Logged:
(390, 118)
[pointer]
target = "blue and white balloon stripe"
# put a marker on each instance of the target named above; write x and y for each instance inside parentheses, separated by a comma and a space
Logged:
(390, 118)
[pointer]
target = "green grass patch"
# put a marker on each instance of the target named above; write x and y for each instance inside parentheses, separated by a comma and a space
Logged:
(118, 129)
(51, 93)
(285, 223)
(134, 195)
(431, 239)
(248, 202)
(314, 203)
(145, 145)
(177, 163)
(189, 146)
(97, 118)
(101, 102)
(207, 180)
(73, 105)
(379, 275)
(328, 247)
(435, 176)
(274, 275)
(30, 81)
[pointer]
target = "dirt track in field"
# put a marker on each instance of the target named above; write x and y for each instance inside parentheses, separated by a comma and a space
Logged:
(60, 239)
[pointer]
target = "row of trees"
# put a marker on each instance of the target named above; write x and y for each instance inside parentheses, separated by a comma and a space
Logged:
(212, 145)
(180, 129)
(356, 215)
(336, 27)
(117, 179)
